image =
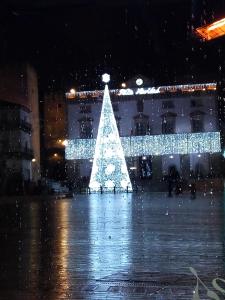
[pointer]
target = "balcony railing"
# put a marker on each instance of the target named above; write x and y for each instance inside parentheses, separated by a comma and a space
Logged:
(25, 126)
(15, 124)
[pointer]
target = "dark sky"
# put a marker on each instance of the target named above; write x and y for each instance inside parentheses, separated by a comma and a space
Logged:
(72, 42)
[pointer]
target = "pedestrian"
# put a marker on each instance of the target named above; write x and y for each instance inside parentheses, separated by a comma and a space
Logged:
(173, 180)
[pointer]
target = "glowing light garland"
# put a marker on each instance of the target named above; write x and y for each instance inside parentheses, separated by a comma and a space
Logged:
(109, 169)
(145, 91)
(182, 143)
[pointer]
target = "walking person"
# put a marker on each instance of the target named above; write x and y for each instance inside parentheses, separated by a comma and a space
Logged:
(173, 180)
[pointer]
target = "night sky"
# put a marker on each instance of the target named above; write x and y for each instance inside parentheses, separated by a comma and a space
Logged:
(71, 43)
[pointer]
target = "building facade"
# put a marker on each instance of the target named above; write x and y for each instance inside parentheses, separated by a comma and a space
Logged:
(15, 144)
(159, 127)
(55, 134)
(20, 133)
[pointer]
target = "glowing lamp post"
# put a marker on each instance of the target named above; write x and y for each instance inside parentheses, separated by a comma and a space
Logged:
(105, 78)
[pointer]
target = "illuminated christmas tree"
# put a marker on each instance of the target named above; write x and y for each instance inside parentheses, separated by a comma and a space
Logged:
(109, 168)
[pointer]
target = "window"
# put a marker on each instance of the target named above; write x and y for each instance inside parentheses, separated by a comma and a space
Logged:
(196, 103)
(140, 106)
(140, 128)
(168, 123)
(86, 128)
(197, 121)
(141, 124)
(145, 166)
(167, 104)
(85, 109)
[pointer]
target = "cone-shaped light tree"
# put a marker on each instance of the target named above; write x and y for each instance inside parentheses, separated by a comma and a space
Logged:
(109, 168)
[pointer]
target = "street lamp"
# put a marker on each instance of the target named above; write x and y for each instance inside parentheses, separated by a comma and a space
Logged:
(72, 91)
(139, 81)
(65, 143)
(105, 78)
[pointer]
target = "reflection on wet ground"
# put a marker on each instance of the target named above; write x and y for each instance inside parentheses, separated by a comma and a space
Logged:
(121, 246)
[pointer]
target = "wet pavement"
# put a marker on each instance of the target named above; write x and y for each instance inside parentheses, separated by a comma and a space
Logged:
(124, 246)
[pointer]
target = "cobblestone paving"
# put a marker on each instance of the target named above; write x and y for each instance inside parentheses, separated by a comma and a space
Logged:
(135, 246)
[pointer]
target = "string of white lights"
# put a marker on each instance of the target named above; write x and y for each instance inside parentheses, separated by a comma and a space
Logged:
(145, 90)
(182, 143)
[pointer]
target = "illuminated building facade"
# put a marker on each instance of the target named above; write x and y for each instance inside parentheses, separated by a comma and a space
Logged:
(159, 127)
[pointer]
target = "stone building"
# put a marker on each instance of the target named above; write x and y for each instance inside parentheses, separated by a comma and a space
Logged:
(159, 127)
(20, 131)
(55, 134)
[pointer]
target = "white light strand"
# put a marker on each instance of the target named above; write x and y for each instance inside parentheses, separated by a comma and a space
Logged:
(148, 90)
(182, 143)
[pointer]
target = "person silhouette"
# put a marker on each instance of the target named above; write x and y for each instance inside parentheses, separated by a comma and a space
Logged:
(173, 178)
